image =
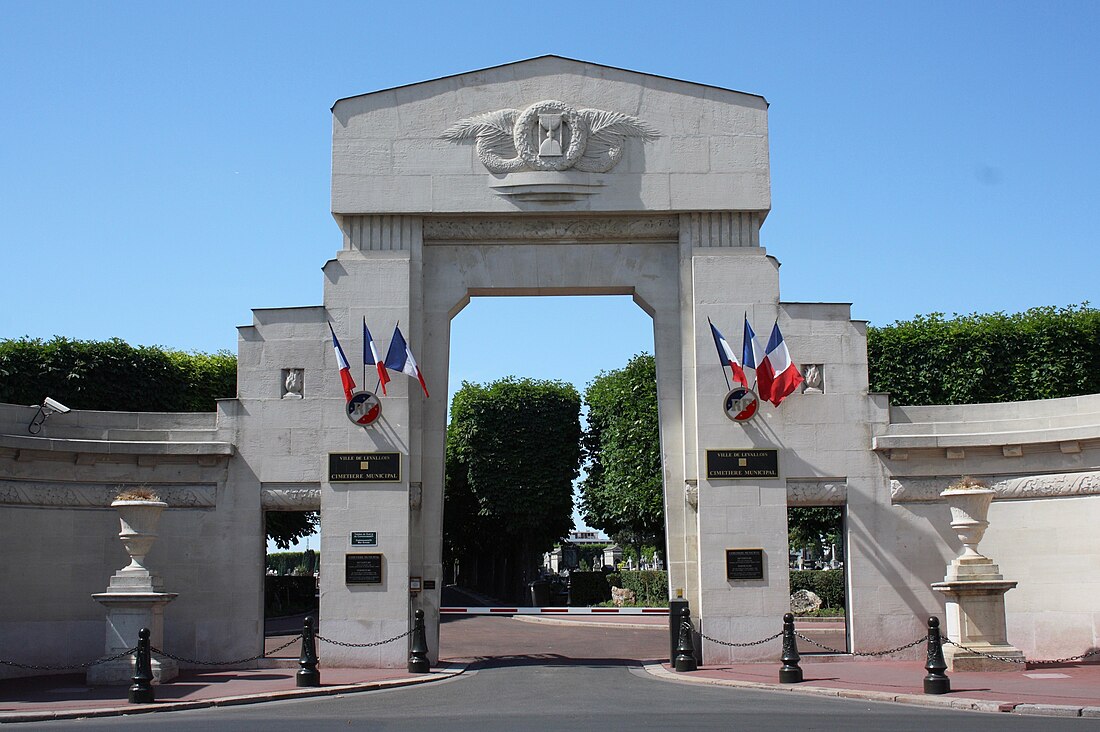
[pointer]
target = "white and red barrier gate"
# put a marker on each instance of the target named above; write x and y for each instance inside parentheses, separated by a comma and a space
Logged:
(553, 611)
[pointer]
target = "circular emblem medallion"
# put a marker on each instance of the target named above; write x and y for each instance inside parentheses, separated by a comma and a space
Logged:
(740, 404)
(364, 408)
(526, 135)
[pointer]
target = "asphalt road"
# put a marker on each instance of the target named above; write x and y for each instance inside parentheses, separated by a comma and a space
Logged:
(540, 694)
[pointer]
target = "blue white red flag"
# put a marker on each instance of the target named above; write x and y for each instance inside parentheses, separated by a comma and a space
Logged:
(371, 357)
(400, 358)
(345, 369)
(785, 377)
(727, 356)
(752, 355)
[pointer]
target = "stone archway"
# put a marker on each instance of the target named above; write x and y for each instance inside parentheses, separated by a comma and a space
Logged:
(440, 199)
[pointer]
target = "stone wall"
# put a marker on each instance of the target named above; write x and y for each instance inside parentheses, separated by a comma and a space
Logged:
(61, 536)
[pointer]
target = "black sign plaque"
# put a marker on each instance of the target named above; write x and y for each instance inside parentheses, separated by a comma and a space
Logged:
(745, 564)
(363, 569)
(364, 467)
(364, 538)
(742, 464)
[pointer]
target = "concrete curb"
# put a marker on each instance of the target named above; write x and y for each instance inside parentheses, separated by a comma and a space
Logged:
(920, 700)
(449, 671)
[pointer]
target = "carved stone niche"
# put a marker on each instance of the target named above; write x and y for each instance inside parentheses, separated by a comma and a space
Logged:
(416, 495)
(813, 378)
(292, 383)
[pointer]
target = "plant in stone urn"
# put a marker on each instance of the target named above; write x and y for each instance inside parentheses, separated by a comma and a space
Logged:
(969, 500)
(139, 510)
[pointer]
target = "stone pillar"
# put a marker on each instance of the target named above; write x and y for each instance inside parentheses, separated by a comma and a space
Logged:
(376, 280)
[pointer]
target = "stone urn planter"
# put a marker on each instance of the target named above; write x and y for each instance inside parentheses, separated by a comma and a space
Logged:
(139, 519)
(969, 501)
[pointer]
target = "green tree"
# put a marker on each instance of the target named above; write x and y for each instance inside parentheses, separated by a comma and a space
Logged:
(513, 451)
(1043, 353)
(287, 527)
(622, 492)
(813, 526)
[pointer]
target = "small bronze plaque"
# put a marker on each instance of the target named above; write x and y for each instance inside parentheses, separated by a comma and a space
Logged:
(745, 564)
(429, 584)
(363, 569)
(364, 467)
(742, 464)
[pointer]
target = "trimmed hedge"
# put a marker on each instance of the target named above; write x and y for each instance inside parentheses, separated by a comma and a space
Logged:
(828, 584)
(1043, 353)
(115, 376)
(588, 588)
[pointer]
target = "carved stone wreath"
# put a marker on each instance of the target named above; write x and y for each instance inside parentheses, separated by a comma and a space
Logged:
(508, 139)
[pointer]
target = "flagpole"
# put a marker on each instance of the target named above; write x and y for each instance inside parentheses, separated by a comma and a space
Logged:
(753, 389)
(722, 368)
(395, 327)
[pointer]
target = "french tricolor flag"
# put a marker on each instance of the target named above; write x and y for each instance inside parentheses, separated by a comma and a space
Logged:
(727, 356)
(371, 357)
(752, 355)
(784, 374)
(400, 358)
(345, 369)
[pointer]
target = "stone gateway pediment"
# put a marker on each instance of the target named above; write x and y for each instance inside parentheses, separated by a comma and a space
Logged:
(550, 134)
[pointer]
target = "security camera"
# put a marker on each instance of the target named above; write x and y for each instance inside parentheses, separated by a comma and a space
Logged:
(45, 409)
(52, 406)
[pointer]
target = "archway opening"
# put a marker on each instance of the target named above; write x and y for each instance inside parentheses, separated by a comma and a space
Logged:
(572, 340)
(819, 576)
(291, 572)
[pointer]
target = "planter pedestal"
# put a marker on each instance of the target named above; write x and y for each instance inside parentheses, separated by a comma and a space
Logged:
(127, 613)
(976, 619)
(975, 591)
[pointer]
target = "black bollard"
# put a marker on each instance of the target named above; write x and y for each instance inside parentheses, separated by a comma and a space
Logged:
(419, 663)
(936, 682)
(685, 649)
(790, 673)
(141, 691)
(677, 611)
(308, 675)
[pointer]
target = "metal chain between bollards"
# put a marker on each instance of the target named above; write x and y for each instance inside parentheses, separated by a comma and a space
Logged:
(704, 636)
(917, 642)
(89, 664)
(234, 662)
(365, 645)
(1017, 659)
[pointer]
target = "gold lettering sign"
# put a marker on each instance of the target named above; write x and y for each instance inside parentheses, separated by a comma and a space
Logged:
(353, 467)
(742, 464)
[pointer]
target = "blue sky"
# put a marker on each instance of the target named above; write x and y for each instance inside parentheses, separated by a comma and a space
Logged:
(164, 167)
